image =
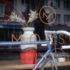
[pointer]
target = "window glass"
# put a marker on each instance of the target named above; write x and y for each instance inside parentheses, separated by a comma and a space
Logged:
(67, 4)
(66, 18)
(45, 2)
(56, 3)
(58, 16)
(2, 10)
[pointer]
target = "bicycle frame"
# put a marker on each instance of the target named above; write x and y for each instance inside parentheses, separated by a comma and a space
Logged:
(46, 54)
(49, 46)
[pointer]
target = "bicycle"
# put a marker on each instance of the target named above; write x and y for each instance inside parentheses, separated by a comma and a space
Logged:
(49, 52)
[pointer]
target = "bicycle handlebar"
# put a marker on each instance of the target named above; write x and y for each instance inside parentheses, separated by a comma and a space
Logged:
(58, 32)
(64, 32)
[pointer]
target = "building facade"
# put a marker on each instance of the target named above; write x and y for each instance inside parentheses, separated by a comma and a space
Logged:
(22, 7)
(62, 8)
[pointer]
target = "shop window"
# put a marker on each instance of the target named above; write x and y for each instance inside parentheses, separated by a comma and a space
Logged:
(67, 4)
(2, 10)
(46, 2)
(66, 18)
(56, 3)
(25, 1)
(58, 16)
(22, 1)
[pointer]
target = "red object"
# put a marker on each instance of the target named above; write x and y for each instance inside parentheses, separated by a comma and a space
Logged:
(28, 56)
